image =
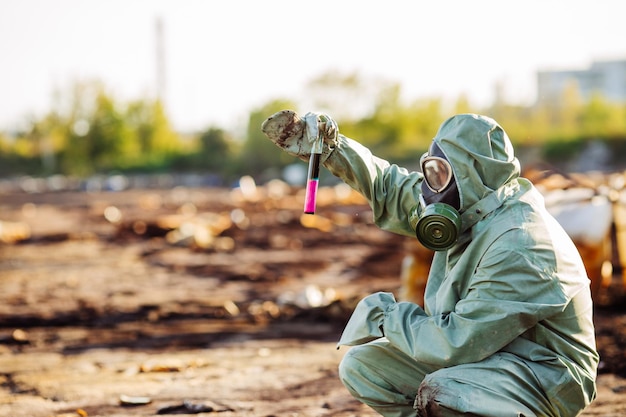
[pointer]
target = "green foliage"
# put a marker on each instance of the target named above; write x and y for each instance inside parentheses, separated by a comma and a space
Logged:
(215, 149)
(89, 131)
(396, 132)
(214, 152)
(96, 141)
(556, 150)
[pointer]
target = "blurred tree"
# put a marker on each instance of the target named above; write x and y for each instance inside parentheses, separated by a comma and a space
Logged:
(89, 131)
(152, 140)
(564, 123)
(518, 122)
(140, 118)
(44, 136)
(97, 140)
(5, 145)
(216, 147)
(396, 132)
(533, 124)
(599, 118)
(426, 116)
(164, 140)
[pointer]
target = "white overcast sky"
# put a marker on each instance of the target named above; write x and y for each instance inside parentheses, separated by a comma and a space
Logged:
(225, 58)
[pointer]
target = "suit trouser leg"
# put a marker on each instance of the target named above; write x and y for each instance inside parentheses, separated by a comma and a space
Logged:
(391, 383)
(382, 377)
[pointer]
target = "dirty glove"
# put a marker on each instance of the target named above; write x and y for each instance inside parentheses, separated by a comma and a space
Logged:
(366, 322)
(297, 135)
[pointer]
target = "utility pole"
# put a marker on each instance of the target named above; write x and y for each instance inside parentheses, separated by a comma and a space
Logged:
(160, 61)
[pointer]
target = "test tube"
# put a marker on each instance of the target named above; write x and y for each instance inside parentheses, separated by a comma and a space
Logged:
(313, 179)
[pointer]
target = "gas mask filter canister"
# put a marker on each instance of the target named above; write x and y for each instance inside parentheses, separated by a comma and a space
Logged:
(436, 225)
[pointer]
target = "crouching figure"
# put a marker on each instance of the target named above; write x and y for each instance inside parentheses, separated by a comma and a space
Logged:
(506, 327)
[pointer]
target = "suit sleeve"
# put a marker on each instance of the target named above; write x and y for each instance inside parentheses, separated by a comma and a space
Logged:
(392, 191)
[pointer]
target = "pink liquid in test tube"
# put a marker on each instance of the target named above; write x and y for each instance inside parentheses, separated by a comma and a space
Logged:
(312, 184)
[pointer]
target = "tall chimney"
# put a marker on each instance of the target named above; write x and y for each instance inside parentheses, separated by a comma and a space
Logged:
(160, 61)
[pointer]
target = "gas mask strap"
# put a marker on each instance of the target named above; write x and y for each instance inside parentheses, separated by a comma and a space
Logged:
(480, 210)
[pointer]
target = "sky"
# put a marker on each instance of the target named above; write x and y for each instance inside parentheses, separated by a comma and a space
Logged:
(224, 59)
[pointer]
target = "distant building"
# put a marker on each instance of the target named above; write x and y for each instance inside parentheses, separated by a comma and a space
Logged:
(607, 78)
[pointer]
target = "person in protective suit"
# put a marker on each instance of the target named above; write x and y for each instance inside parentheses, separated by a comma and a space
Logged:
(506, 328)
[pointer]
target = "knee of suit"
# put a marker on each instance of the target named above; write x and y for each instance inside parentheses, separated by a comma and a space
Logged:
(435, 399)
(355, 371)
(426, 400)
(347, 367)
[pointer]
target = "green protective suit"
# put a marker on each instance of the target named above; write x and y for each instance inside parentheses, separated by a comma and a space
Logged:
(506, 328)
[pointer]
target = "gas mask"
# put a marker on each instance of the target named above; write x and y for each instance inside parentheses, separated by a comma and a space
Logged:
(436, 219)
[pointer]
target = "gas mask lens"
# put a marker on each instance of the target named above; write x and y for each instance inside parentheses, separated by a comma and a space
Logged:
(437, 172)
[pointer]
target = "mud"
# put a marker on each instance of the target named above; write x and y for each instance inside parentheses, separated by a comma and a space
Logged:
(200, 301)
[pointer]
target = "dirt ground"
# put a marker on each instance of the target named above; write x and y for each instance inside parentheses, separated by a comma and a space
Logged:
(199, 301)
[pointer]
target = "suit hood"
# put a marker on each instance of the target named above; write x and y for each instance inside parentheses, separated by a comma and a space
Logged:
(481, 156)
